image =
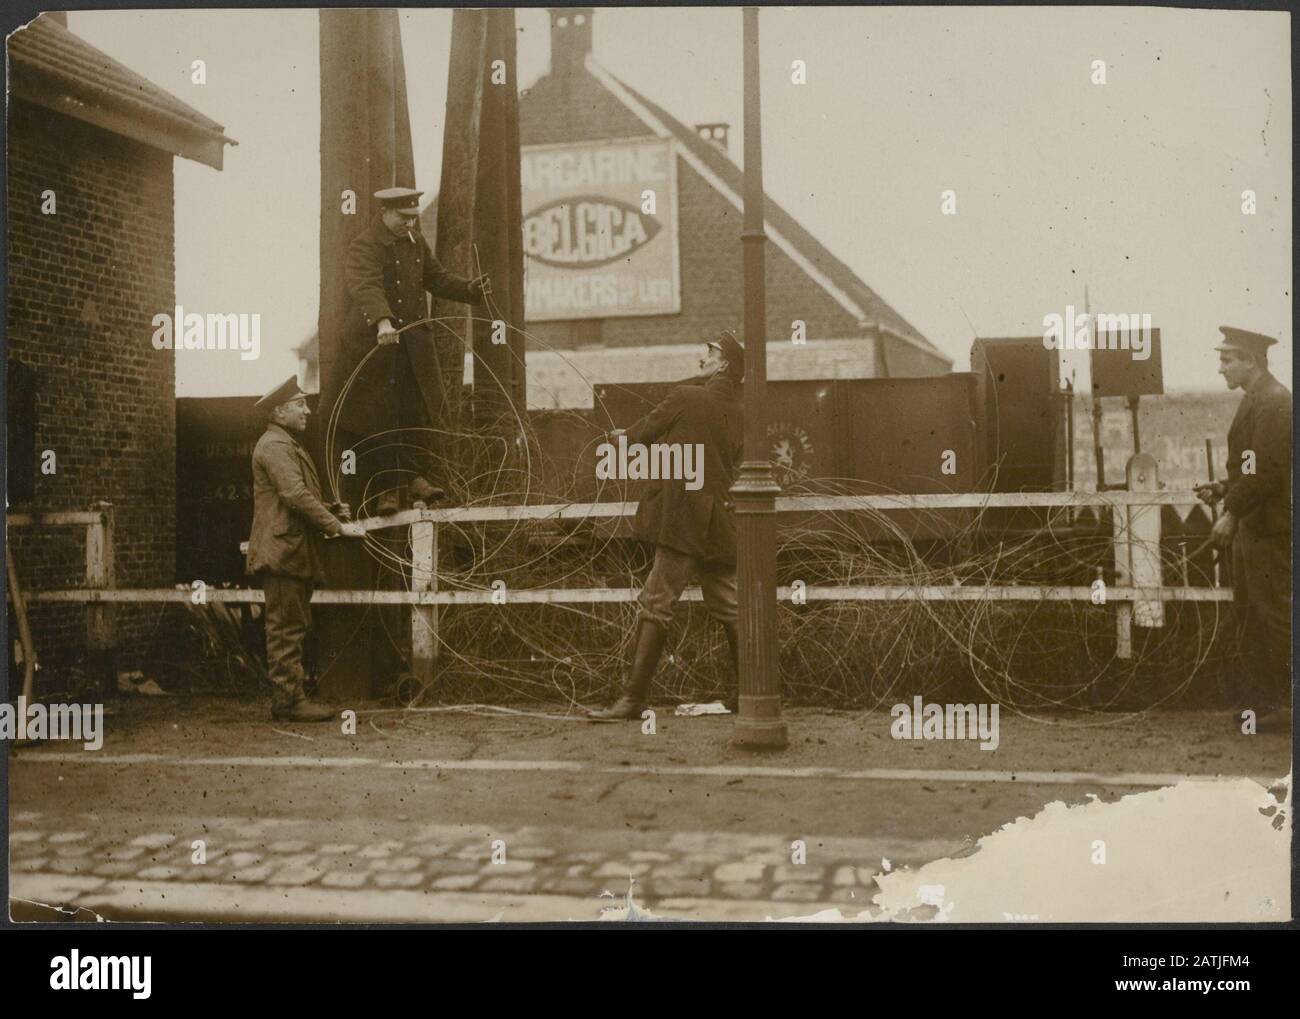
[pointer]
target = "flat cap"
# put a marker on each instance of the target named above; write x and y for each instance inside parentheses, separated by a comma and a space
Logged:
(401, 199)
(1255, 344)
(283, 393)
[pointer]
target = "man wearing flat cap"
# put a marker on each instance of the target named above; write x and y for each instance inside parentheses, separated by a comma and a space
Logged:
(692, 530)
(1256, 520)
(283, 548)
(389, 269)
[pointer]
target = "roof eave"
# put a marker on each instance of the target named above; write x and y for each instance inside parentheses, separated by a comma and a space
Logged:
(146, 126)
(879, 328)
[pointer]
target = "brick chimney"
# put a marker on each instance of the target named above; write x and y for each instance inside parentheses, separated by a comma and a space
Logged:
(716, 133)
(570, 38)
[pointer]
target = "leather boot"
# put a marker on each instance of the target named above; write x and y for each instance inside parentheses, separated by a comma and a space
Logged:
(732, 700)
(424, 490)
(650, 640)
(304, 709)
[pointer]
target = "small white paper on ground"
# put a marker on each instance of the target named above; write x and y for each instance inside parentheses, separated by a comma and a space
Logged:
(712, 708)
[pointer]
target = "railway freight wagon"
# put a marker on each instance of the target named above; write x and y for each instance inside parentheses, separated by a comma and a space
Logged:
(849, 437)
(999, 428)
(834, 436)
(215, 437)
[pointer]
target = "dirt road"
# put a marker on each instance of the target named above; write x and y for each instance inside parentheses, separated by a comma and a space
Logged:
(443, 815)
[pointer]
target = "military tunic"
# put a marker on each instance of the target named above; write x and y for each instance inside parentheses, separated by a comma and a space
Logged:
(693, 531)
(387, 277)
(284, 551)
(695, 523)
(1261, 547)
(1261, 501)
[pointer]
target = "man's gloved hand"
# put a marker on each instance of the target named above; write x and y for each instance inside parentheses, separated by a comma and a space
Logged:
(1210, 492)
(386, 334)
(481, 288)
(352, 530)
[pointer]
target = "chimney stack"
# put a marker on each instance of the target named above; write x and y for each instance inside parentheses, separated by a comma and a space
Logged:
(570, 38)
(716, 133)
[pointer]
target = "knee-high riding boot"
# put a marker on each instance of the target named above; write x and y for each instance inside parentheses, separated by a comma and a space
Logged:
(650, 640)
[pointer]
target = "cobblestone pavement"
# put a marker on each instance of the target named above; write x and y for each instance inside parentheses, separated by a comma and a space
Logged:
(127, 868)
(423, 817)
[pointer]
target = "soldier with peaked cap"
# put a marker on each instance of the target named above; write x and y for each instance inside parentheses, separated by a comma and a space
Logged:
(1256, 520)
(692, 531)
(389, 269)
(283, 548)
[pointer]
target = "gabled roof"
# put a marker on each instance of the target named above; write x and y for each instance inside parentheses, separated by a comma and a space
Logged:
(782, 228)
(53, 68)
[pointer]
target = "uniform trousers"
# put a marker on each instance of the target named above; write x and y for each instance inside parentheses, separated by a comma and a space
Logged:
(288, 618)
(1261, 580)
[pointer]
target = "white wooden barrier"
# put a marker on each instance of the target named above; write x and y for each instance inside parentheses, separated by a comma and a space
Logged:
(1140, 594)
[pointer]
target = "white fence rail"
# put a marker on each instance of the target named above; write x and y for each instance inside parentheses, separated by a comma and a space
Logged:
(1139, 592)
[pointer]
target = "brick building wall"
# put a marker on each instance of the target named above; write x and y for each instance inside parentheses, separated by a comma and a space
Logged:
(574, 106)
(83, 287)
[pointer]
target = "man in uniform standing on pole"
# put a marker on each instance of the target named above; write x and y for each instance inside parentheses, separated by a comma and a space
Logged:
(389, 269)
(283, 548)
(1256, 520)
(692, 531)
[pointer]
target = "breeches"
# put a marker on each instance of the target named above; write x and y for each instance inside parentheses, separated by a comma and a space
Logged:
(672, 572)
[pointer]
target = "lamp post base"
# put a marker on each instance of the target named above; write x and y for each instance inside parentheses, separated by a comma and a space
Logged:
(759, 725)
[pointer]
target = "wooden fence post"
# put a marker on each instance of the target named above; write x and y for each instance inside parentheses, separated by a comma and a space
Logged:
(1137, 555)
(424, 618)
(101, 617)
(1145, 565)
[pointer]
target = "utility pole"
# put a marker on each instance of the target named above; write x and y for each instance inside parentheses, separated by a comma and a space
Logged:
(758, 723)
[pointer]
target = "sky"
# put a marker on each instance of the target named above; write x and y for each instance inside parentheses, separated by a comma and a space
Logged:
(1132, 187)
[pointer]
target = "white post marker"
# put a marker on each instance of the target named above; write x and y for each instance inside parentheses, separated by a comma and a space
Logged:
(424, 618)
(1144, 541)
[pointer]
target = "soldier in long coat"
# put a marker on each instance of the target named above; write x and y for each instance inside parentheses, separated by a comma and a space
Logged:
(692, 530)
(289, 522)
(1256, 519)
(389, 269)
